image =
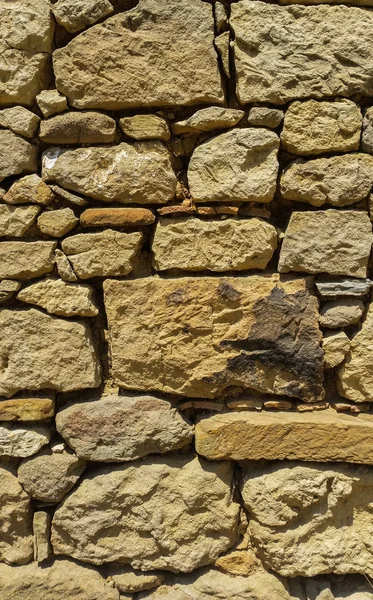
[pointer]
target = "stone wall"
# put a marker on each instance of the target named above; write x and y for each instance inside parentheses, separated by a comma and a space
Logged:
(186, 342)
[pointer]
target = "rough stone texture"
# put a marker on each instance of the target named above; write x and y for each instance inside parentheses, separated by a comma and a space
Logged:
(335, 346)
(195, 245)
(342, 287)
(41, 527)
(104, 254)
(341, 314)
(308, 55)
(51, 102)
(57, 223)
(60, 298)
(29, 190)
(208, 119)
(222, 45)
(332, 241)
(129, 581)
(16, 220)
(338, 180)
(77, 15)
(307, 520)
(313, 127)
(117, 217)
(20, 442)
(211, 333)
(49, 477)
(367, 135)
(175, 514)
(16, 155)
(8, 288)
(64, 580)
(19, 120)
(122, 428)
(64, 268)
(78, 128)
(43, 352)
(169, 37)
(141, 173)
(25, 260)
(261, 116)
(29, 408)
(239, 166)
(145, 127)
(69, 197)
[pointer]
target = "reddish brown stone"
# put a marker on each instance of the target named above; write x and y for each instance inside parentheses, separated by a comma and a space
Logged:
(116, 217)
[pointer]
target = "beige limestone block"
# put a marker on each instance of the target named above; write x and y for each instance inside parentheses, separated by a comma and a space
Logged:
(15, 520)
(175, 514)
(25, 260)
(28, 74)
(51, 102)
(30, 189)
(8, 288)
(262, 116)
(19, 120)
(60, 298)
(75, 15)
(306, 520)
(145, 127)
(62, 580)
(129, 581)
(41, 526)
(324, 436)
(335, 345)
(331, 241)
(222, 45)
(306, 56)
(198, 336)
(16, 220)
(314, 127)
(341, 313)
(44, 352)
(64, 268)
(104, 254)
(228, 245)
(169, 38)
(207, 119)
(238, 166)
(342, 287)
(123, 428)
(139, 173)
(16, 155)
(57, 223)
(338, 180)
(28, 407)
(20, 442)
(117, 217)
(78, 128)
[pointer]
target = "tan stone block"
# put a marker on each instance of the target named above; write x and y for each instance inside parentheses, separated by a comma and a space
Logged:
(262, 116)
(25, 260)
(19, 120)
(207, 119)
(21, 441)
(129, 581)
(29, 190)
(78, 128)
(341, 313)
(116, 217)
(16, 220)
(335, 346)
(27, 408)
(60, 298)
(51, 102)
(75, 15)
(145, 127)
(57, 223)
(16, 155)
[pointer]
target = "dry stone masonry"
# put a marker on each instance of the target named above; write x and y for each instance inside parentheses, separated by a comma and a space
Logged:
(186, 309)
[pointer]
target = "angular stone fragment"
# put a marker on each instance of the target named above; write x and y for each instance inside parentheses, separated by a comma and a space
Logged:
(170, 37)
(325, 436)
(78, 128)
(221, 17)
(238, 166)
(338, 180)
(75, 15)
(68, 196)
(129, 581)
(51, 102)
(208, 334)
(262, 116)
(306, 520)
(207, 119)
(175, 514)
(335, 346)
(306, 57)
(16, 155)
(122, 428)
(313, 127)
(341, 313)
(41, 527)
(60, 298)
(145, 127)
(195, 245)
(222, 45)
(19, 120)
(367, 136)
(343, 287)
(141, 173)
(8, 288)
(28, 407)
(49, 477)
(25, 260)
(16, 220)
(116, 217)
(20, 442)
(43, 352)
(57, 223)
(29, 190)
(331, 241)
(64, 268)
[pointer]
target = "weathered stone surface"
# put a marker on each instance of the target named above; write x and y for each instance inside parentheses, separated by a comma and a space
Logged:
(76, 15)
(307, 56)
(57, 223)
(104, 254)
(338, 180)
(43, 352)
(332, 241)
(15, 520)
(49, 477)
(141, 173)
(64, 268)
(222, 45)
(262, 116)
(324, 436)
(20, 442)
(367, 136)
(78, 128)
(129, 581)
(64, 580)
(342, 287)
(122, 428)
(19, 120)
(175, 514)
(51, 102)
(238, 166)
(206, 119)
(350, 587)
(117, 217)
(313, 127)
(16, 155)
(145, 127)
(221, 17)
(335, 346)
(341, 313)
(211, 333)
(170, 36)
(195, 245)
(27, 408)
(60, 298)
(29, 190)
(41, 527)
(8, 288)
(68, 196)
(310, 519)
(16, 220)
(25, 260)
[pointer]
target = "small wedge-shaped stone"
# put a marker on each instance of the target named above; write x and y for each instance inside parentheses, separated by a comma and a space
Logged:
(140, 513)
(51, 102)
(262, 116)
(60, 298)
(104, 254)
(78, 128)
(8, 288)
(16, 220)
(122, 428)
(145, 127)
(22, 441)
(331, 241)
(16, 155)
(75, 15)
(141, 173)
(228, 245)
(335, 346)
(238, 166)
(44, 352)
(19, 120)
(25, 260)
(29, 190)
(206, 119)
(338, 180)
